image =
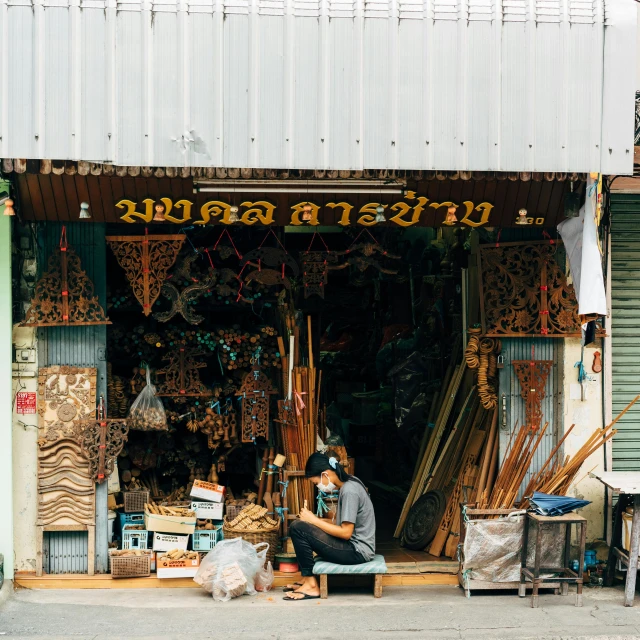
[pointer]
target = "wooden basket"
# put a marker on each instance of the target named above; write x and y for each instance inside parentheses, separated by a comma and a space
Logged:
(134, 501)
(255, 537)
(131, 566)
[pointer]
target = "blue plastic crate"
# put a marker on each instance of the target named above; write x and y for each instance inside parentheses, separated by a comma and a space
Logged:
(206, 539)
(134, 539)
(130, 518)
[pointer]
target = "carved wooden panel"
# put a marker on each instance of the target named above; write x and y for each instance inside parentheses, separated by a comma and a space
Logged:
(64, 295)
(533, 375)
(66, 491)
(524, 292)
(255, 391)
(146, 261)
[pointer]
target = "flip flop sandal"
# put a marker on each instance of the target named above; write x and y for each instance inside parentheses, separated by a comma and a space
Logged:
(296, 585)
(306, 596)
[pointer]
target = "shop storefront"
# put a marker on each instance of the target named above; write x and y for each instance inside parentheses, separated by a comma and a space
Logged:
(349, 306)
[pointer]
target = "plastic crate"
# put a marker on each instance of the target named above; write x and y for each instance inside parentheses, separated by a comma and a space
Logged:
(131, 566)
(134, 501)
(134, 539)
(232, 510)
(130, 518)
(206, 539)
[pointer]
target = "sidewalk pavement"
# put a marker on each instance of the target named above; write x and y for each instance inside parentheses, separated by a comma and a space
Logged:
(439, 613)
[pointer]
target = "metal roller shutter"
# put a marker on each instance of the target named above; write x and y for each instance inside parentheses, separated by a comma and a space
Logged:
(625, 326)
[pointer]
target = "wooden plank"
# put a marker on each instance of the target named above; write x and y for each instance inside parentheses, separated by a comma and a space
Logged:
(72, 581)
(620, 481)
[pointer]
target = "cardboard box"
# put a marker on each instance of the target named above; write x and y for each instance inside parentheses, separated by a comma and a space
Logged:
(208, 510)
(169, 524)
(176, 568)
(169, 541)
(207, 491)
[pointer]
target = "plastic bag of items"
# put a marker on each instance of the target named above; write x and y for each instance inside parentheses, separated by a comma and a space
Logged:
(147, 412)
(264, 578)
(230, 569)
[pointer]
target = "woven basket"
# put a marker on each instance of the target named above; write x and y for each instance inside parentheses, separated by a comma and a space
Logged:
(134, 501)
(130, 566)
(255, 537)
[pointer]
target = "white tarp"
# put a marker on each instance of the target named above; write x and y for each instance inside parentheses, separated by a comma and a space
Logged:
(580, 237)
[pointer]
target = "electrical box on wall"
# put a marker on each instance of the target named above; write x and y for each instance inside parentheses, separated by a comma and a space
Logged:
(25, 355)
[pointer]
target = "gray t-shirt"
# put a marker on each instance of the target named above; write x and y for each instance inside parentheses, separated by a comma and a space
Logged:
(354, 505)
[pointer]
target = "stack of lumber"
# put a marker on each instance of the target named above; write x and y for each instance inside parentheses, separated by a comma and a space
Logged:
(299, 413)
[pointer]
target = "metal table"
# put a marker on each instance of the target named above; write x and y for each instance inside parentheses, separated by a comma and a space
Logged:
(627, 485)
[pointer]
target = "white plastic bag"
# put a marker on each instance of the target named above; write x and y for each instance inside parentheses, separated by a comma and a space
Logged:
(230, 569)
(264, 578)
(147, 412)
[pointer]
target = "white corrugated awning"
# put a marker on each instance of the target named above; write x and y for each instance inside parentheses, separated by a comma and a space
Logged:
(448, 85)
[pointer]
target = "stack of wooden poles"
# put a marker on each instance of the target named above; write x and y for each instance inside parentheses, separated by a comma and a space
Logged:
(299, 413)
(458, 455)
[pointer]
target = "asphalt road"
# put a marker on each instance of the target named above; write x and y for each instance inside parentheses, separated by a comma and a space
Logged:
(403, 612)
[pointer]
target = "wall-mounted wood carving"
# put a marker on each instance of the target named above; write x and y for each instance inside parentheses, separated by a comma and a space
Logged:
(180, 377)
(102, 441)
(533, 375)
(146, 260)
(66, 490)
(64, 295)
(314, 272)
(255, 391)
(524, 292)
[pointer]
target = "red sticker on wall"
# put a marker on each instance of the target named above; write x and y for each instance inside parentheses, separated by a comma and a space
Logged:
(26, 402)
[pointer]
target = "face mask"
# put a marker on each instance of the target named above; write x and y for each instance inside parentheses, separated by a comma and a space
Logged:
(326, 488)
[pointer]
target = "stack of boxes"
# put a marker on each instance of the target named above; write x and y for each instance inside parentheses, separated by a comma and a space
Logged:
(163, 533)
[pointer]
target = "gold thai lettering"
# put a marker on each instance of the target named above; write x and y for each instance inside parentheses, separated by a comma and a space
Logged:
(405, 214)
(255, 214)
(403, 208)
(345, 218)
(185, 205)
(215, 208)
(368, 214)
(297, 209)
(484, 207)
(131, 214)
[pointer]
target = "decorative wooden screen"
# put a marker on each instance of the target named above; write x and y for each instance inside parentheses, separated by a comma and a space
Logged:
(533, 375)
(180, 377)
(64, 296)
(66, 490)
(146, 260)
(524, 292)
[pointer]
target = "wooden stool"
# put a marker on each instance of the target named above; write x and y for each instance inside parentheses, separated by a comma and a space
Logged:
(377, 567)
(567, 575)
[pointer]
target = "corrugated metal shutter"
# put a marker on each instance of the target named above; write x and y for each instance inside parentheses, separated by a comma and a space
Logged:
(625, 326)
(66, 552)
(511, 405)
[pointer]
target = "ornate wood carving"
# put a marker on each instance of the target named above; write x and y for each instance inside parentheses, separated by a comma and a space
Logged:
(146, 260)
(268, 277)
(181, 377)
(255, 391)
(314, 272)
(66, 491)
(272, 257)
(524, 292)
(533, 375)
(101, 441)
(64, 296)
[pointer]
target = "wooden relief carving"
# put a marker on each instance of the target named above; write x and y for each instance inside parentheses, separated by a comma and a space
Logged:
(66, 490)
(314, 272)
(180, 376)
(64, 296)
(101, 442)
(255, 391)
(524, 292)
(146, 260)
(533, 375)
(181, 301)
